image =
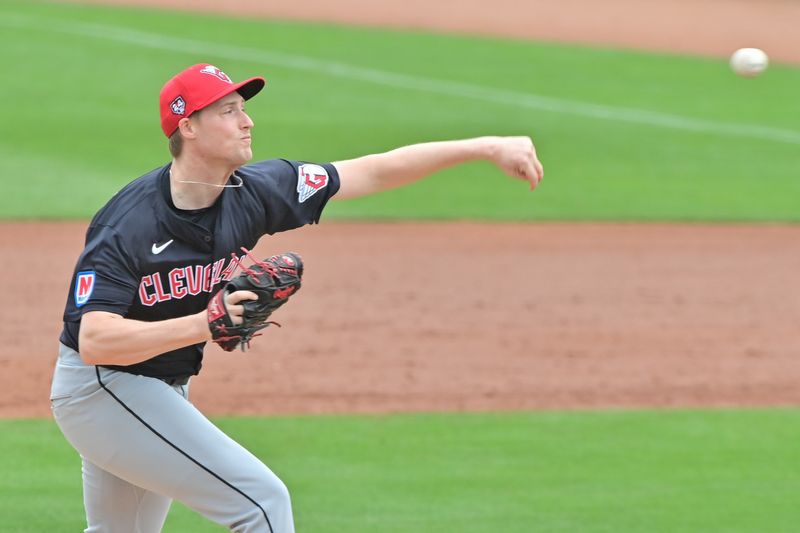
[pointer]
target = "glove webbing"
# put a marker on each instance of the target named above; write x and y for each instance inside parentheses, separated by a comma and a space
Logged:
(254, 275)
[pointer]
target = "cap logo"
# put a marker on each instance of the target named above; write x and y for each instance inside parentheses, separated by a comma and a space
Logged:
(178, 106)
(214, 71)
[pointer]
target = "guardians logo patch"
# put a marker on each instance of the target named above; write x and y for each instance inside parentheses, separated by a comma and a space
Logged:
(214, 71)
(310, 179)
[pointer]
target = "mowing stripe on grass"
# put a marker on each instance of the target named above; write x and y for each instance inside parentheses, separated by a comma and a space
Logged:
(405, 81)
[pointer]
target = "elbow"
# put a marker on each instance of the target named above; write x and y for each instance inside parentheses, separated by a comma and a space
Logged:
(90, 347)
(89, 350)
(93, 338)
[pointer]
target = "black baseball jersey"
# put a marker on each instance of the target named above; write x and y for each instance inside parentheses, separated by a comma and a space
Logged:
(146, 260)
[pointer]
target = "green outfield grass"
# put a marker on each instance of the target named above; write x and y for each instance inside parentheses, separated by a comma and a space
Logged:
(623, 135)
(617, 471)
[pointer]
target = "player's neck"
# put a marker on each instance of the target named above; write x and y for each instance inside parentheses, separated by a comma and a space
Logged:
(195, 186)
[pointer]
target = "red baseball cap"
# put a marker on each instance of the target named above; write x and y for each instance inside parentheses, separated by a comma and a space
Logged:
(197, 87)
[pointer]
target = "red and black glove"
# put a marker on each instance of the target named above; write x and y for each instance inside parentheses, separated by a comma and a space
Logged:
(272, 280)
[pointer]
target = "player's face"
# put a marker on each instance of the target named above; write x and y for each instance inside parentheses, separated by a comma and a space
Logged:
(223, 131)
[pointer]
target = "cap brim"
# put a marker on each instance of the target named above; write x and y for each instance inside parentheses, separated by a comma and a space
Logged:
(250, 88)
(247, 89)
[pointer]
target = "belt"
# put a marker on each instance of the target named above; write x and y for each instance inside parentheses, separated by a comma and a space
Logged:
(182, 380)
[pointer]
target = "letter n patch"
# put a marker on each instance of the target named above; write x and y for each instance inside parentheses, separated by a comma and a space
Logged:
(84, 285)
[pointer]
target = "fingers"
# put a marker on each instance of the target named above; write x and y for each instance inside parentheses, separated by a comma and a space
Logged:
(237, 296)
(536, 174)
(539, 169)
(526, 163)
(532, 172)
(231, 303)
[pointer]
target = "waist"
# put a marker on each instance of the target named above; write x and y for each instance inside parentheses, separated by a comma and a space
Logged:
(178, 365)
(182, 380)
(69, 357)
(171, 381)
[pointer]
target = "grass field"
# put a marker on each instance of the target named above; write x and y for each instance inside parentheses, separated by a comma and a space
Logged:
(623, 135)
(598, 472)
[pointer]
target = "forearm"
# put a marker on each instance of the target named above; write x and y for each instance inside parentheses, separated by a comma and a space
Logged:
(402, 166)
(108, 339)
(411, 163)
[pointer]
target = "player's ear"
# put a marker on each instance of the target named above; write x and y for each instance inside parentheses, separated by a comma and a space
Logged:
(187, 128)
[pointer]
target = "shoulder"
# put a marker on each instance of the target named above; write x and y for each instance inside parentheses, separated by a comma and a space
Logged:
(284, 174)
(129, 202)
(131, 216)
(271, 169)
(284, 194)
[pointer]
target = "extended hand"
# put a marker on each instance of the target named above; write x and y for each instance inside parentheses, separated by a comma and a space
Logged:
(516, 156)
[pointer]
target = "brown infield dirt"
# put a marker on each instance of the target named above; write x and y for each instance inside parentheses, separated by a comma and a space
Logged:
(474, 317)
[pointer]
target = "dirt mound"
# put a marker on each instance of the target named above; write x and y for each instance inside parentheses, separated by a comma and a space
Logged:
(472, 317)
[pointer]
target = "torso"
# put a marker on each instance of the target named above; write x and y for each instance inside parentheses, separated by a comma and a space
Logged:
(150, 261)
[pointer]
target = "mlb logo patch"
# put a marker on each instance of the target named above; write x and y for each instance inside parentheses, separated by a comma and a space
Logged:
(310, 179)
(84, 285)
(178, 106)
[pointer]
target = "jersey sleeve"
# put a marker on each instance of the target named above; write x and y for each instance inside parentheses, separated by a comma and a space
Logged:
(104, 278)
(292, 193)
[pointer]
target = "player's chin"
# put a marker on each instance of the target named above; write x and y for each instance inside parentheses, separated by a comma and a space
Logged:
(244, 155)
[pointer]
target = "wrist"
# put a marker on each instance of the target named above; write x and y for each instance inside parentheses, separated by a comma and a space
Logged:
(485, 148)
(200, 323)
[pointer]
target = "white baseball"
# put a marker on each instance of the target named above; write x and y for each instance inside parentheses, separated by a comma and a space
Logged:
(749, 62)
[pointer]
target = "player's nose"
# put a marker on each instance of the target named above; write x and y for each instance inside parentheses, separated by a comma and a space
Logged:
(247, 122)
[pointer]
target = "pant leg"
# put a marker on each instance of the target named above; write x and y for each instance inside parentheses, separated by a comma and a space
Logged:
(115, 506)
(148, 434)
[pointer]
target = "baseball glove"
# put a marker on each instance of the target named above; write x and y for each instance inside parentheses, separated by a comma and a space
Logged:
(273, 280)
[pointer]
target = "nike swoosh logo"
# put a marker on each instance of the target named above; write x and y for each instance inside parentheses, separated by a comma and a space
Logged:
(158, 249)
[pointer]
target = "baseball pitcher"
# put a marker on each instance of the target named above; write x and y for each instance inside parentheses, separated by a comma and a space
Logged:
(166, 268)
